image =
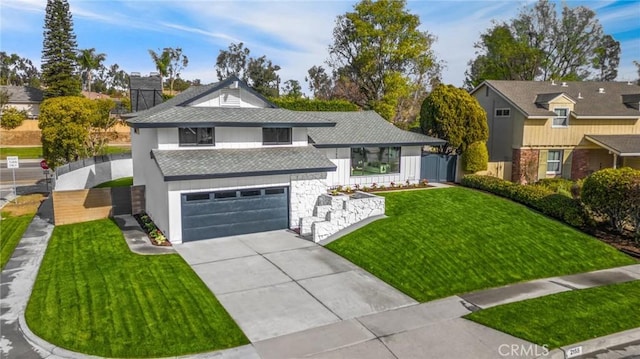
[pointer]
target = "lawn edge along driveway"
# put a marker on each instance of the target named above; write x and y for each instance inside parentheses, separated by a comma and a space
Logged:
(441, 242)
(93, 296)
(569, 317)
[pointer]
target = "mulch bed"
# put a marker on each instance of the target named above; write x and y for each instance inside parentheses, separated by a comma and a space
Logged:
(624, 243)
(153, 241)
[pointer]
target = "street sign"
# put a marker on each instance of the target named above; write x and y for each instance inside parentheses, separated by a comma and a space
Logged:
(12, 162)
(43, 165)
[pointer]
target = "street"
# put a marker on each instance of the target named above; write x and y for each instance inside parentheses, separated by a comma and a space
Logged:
(29, 179)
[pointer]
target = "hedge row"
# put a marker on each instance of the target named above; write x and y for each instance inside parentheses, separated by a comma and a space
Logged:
(305, 104)
(542, 199)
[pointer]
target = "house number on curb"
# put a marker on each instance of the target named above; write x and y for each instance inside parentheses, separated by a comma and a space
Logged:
(574, 352)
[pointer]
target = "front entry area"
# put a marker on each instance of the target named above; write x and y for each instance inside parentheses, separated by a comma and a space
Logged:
(216, 214)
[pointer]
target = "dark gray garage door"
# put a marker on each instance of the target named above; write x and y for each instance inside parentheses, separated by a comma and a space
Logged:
(228, 213)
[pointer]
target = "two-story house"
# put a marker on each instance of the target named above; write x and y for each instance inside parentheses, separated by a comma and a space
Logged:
(221, 160)
(560, 129)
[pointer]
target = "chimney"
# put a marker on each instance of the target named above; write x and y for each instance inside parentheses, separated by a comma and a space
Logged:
(601, 90)
(145, 92)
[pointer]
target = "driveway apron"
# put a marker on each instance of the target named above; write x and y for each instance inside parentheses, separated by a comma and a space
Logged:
(275, 283)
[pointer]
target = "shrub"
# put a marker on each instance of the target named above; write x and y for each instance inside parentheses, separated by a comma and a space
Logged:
(614, 195)
(12, 118)
(305, 104)
(554, 205)
(476, 157)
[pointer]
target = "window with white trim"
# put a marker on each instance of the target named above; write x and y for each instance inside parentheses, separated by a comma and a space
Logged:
(503, 112)
(562, 117)
(554, 162)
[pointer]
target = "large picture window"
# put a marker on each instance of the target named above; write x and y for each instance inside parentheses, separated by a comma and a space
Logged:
(276, 136)
(191, 136)
(369, 161)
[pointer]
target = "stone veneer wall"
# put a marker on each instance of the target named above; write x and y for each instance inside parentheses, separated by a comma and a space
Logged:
(304, 192)
(334, 213)
(579, 164)
(522, 158)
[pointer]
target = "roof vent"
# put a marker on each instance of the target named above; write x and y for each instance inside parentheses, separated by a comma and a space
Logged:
(137, 74)
(629, 83)
(553, 82)
(580, 96)
(601, 90)
(564, 84)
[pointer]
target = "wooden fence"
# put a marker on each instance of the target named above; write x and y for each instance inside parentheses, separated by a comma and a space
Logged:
(96, 203)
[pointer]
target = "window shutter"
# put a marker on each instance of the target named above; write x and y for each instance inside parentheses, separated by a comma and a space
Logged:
(542, 164)
(566, 164)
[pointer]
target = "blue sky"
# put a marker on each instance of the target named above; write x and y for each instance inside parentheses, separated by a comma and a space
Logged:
(294, 34)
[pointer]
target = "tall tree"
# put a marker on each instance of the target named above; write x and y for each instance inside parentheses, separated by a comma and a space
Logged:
(454, 115)
(232, 62)
(89, 61)
(320, 83)
(607, 59)
(292, 88)
(502, 56)
(18, 71)
(381, 50)
(547, 44)
(59, 52)
(259, 73)
(170, 62)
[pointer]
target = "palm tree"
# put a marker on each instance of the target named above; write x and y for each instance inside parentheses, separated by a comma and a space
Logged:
(90, 61)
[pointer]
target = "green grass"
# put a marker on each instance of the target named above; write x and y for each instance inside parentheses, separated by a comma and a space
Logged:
(94, 296)
(120, 182)
(11, 231)
(568, 317)
(36, 152)
(21, 152)
(443, 242)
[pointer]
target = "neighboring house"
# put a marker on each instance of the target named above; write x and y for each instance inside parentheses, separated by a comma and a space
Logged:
(24, 98)
(221, 160)
(560, 129)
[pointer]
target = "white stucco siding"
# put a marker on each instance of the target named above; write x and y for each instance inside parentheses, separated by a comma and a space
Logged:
(141, 145)
(156, 198)
(229, 137)
(341, 157)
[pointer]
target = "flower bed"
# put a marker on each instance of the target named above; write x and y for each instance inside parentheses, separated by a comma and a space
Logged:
(155, 235)
(379, 187)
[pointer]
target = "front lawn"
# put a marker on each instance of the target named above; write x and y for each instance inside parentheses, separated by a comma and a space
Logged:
(21, 152)
(120, 182)
(11, 231)
(442, 242)
(94, 296)
(568, 317)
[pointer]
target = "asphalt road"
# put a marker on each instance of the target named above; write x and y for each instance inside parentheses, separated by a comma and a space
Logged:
(29, 173)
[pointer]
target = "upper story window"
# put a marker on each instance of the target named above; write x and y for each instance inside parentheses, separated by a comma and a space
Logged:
(562, 117)
(503, 112)
(276, 136)
(201, 136)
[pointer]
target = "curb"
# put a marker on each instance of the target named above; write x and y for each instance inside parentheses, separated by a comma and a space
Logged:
(600, 344)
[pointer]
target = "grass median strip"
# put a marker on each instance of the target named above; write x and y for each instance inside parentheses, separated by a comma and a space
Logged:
(443, 242)
(11, 231)
(94, 296)
(569, 317)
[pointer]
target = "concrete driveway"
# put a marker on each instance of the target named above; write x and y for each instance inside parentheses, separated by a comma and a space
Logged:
(275, 283)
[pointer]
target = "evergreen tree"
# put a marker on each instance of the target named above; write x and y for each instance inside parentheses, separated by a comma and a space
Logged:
(59, 51)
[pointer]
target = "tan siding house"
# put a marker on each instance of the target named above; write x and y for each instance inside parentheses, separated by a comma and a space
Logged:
(560, 129)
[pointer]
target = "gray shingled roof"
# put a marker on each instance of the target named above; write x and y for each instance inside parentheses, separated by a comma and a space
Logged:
(589, 102)
(226, 116)
(364, 128)
(623, 145)
(23, 94)
(183, 164)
